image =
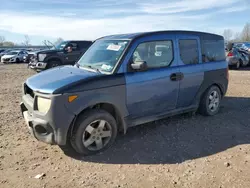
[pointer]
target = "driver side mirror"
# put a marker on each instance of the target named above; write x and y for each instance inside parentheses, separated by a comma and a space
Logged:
(139, 65)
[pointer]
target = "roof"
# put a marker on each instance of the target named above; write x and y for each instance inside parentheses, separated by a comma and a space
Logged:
(132, 36)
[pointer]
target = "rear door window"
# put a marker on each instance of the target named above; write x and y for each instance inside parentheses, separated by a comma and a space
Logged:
(84, 44)
(74, 46)
(189, 51)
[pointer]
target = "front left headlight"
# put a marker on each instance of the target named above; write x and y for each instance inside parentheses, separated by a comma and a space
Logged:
(41, 57)
(43, 104)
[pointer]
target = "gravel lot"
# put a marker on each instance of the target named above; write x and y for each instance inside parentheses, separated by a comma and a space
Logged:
(182, 151)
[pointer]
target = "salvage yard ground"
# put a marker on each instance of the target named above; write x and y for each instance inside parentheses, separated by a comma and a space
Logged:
(182, 151)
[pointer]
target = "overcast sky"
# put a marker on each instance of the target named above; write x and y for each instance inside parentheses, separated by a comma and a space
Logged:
(89, 19)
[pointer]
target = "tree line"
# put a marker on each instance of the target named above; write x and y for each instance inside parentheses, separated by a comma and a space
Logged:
(6, 43)
(243, 36)
(26, 42)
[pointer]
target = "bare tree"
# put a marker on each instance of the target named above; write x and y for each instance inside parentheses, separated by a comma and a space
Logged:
(26, 40)
(237, 37)
(58, 41)
(2, 40)
(246, 33)
(228, 34)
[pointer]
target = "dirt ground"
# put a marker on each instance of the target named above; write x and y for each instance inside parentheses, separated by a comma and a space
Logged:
(182, 151)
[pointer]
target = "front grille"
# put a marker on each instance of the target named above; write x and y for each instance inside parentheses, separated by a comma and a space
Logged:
(28, 91)
(6, 59)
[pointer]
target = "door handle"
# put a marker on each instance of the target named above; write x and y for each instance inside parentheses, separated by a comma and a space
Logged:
(176, 76)
(173, 77)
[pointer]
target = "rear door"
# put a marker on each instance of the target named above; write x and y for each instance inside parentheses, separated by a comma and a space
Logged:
(190, 64)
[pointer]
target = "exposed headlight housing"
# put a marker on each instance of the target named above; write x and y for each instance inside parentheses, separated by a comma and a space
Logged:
(41, 57)
(43, 104)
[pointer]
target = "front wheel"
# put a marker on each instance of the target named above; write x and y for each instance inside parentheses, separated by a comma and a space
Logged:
(210, 102)
(94, 131)
(53, 64)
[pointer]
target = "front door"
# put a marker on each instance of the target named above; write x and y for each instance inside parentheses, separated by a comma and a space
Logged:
(154, 91)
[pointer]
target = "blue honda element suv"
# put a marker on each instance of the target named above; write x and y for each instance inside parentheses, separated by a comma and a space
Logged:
(122, 81)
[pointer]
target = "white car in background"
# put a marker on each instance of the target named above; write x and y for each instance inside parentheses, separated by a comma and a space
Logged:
(14, 57)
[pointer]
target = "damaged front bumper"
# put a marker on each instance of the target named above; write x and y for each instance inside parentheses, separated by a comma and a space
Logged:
(52, 127)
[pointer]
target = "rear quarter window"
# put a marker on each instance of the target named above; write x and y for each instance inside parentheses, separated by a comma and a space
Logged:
(213, 50)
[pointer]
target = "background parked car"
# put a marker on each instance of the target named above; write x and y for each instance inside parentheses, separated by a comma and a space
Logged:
(236, 58)
(59, 55)
(243, 46)
(27, 58)
(3, 53)
(13, 57)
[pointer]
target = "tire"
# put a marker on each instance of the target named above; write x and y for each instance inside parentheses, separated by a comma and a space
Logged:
(17, 60)
(52, 64)
(207, 106)
(241, 63)
(92, 121)
(237, 66)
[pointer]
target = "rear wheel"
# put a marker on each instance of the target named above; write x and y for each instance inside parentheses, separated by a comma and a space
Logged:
(94, 131)
(210, 101)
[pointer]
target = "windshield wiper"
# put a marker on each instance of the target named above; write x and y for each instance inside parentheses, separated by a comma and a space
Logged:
(88, 66)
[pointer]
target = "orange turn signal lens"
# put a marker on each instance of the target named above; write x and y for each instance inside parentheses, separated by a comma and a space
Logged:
(72, 98)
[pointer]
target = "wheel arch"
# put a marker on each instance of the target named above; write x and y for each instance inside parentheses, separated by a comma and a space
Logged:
(204, 88)
(110, 108)
(53, 58)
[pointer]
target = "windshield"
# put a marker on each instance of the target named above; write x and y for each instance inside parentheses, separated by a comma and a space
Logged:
(12, 53)
(103, 55)
(61, 46)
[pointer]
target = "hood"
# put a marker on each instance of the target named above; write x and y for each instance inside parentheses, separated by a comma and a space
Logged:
(53, 79)
(8, 56)
(49, 51)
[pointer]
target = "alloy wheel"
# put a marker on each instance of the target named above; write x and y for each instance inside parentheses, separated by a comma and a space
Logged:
(214, 101)
(97, 135)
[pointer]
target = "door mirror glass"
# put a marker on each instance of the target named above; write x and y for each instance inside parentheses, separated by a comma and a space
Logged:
(139, 65)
